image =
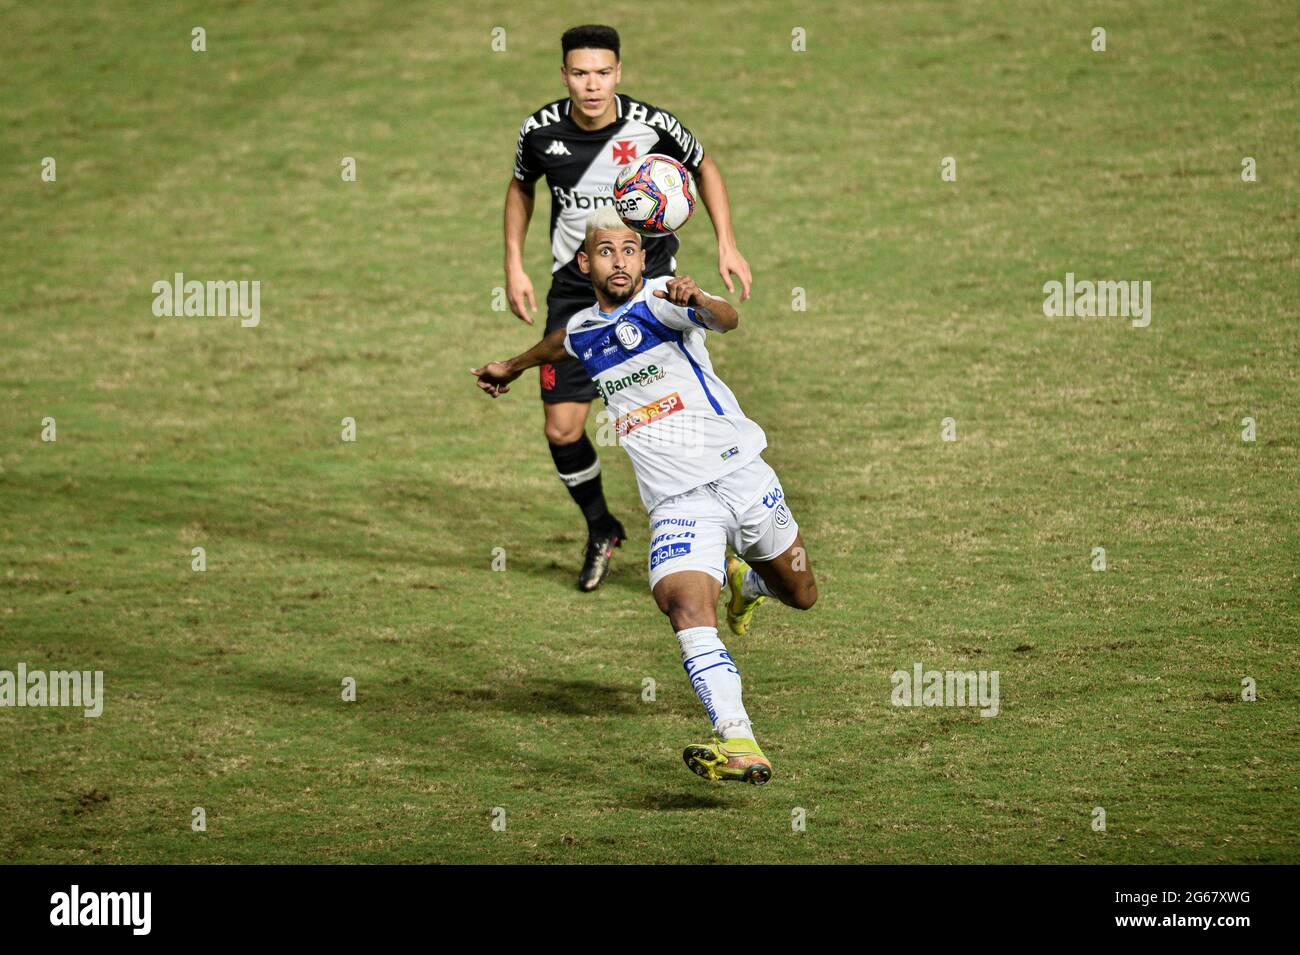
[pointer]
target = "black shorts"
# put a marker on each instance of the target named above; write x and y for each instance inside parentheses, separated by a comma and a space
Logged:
(568, 380)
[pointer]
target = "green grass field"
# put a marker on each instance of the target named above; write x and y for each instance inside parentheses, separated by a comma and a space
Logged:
(479, 689)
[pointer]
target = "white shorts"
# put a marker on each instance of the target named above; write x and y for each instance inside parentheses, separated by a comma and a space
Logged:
(746, 508)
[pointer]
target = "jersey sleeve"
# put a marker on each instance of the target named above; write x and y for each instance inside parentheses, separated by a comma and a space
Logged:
(674, 316)
(568, 343)
(527, 168)
(679, 142)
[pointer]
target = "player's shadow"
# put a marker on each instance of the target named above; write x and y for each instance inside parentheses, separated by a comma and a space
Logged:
(659, 801)
(222, 510)
(563, 572)
(565, 697)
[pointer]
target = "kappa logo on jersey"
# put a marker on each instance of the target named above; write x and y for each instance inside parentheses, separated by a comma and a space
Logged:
(668, 552)
(629, 336)
(624, 151)
(648, 414)
(548, 377)
(558, 148)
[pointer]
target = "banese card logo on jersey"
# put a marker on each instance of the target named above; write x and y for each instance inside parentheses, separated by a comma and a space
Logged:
(641, 376)
(629, 336)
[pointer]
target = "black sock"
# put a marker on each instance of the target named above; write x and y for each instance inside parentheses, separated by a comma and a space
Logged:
(579, 469)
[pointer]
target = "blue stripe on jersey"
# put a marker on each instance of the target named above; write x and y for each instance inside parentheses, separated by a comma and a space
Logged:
(699, 373)
(608, 352)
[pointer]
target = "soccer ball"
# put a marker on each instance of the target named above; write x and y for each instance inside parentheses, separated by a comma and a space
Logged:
(655, 196)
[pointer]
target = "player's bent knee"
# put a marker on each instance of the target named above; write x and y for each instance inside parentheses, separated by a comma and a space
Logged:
(560, 434)
(804, 597)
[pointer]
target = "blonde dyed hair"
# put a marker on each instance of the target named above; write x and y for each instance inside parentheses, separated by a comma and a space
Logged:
(604, 219)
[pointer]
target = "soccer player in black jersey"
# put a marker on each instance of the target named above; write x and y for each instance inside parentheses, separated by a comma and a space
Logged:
(579, 144)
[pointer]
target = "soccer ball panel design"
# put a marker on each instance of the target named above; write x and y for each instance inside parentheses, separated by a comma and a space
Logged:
(656, 196)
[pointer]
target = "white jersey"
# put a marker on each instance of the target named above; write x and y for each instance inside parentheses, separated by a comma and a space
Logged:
(677, 420)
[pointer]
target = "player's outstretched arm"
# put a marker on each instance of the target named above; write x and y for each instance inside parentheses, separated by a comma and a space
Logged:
(495, 376)
(715, 313)
(713, 190)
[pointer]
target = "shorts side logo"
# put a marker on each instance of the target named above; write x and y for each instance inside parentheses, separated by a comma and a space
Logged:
(668, 552)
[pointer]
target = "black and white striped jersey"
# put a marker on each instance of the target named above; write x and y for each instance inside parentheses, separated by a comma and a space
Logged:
(580, 166)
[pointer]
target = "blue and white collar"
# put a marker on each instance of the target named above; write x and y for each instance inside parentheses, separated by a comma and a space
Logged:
(615, 315)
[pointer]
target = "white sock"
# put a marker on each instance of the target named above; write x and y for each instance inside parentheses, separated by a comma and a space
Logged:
(754, 586)
(716, 680)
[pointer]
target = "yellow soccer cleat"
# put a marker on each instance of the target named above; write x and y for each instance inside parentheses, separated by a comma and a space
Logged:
(739, 610)
(735, 760)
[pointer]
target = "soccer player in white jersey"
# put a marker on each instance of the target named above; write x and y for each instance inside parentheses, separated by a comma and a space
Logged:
(698, 467)
(580, 143)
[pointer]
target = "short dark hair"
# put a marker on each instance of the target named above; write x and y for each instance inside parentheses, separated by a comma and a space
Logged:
(593, 36)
